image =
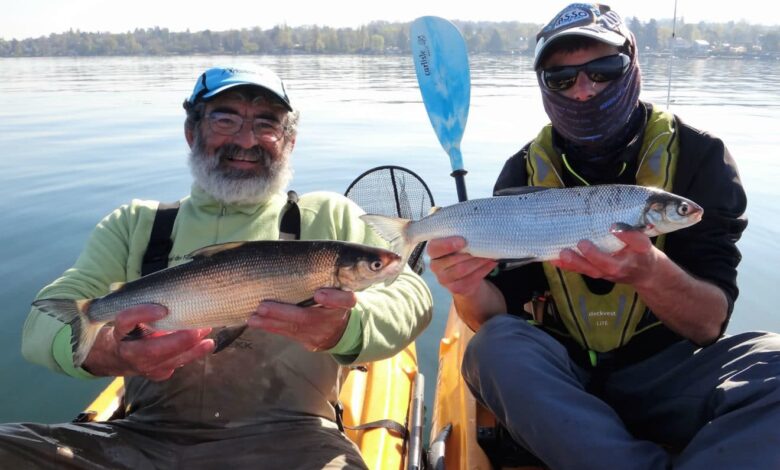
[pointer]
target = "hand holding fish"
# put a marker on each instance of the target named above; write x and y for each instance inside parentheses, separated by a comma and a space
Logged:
(630, 265)
(155, 357)
(696, 312)
(318, 327)
(532, 224)
(289, 271)
(476, 300)
(458, 272)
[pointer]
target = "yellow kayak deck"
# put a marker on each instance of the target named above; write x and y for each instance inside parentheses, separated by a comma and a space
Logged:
(381, 390)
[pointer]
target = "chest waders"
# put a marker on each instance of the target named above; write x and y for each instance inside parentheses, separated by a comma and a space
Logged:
(159, 248)
(605, 321)
(156, 258)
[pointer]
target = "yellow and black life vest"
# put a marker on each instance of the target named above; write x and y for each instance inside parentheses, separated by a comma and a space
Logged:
(603, 322)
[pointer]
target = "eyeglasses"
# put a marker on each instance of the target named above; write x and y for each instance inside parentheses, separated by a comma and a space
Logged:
(231, 124)
(603, 69)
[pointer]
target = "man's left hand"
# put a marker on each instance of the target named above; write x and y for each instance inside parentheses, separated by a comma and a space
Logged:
(633, 264)
(318, 327)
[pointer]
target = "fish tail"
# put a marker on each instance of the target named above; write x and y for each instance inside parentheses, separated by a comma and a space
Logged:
(394, 230)
(73, 312)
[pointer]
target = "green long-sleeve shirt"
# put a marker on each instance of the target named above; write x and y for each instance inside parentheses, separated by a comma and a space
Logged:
(279, 375)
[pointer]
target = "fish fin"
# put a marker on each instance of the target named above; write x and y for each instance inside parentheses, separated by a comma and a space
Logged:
(517, 190)
(115, 286)
(433, 210)
(226, 336)
(73, 313)
(507, 264)
(394, 231)
(618, 227)
(211, 250)
(139, 332)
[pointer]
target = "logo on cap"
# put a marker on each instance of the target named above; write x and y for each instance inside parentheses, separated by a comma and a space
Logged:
(568, 17)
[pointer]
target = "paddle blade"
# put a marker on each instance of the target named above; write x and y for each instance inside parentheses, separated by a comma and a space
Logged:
(442, 66)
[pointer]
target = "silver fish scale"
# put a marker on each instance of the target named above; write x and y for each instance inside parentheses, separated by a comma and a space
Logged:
(537, 225)
(225, 289)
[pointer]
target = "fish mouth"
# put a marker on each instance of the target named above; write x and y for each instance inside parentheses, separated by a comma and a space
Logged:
(695, 211)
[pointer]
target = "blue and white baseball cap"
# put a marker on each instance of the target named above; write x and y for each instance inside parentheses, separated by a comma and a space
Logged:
(583, 19)
(218, 79)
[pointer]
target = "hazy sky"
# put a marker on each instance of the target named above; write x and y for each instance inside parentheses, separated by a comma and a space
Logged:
(32, 18)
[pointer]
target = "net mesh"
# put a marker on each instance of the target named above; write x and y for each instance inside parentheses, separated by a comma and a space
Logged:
(397, 192)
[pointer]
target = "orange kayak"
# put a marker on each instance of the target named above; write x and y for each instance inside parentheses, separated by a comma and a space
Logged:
(459, 422)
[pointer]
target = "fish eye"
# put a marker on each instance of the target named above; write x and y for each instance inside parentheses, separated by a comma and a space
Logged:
(375, 265)
(683, 208)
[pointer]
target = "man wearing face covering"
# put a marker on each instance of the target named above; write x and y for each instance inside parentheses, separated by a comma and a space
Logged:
(598, 360)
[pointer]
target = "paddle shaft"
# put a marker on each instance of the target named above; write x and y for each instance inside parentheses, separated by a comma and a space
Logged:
(441, 64)
(460, 184)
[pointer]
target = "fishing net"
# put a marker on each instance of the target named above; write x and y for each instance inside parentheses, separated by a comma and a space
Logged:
(397, 192)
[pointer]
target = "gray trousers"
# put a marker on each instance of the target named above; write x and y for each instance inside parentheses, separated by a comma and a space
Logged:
(120, 445)
(720, 405)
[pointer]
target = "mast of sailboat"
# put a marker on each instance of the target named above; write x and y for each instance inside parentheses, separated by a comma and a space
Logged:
(671, 56)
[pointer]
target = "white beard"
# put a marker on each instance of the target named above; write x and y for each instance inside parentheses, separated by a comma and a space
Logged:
(233, 186)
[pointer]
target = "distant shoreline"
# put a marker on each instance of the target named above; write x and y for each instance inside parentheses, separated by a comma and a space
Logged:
(736, 40)
(646, 54)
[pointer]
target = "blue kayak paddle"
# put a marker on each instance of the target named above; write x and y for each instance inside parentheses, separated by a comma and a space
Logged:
(442, 66)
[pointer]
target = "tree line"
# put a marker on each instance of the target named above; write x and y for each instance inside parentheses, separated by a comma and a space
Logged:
(378, 37)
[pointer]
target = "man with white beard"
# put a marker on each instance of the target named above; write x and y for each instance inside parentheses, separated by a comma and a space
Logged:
(267, 399)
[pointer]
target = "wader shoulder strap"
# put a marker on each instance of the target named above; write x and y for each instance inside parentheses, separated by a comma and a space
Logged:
(155, 259)
(160, 243)
(290, 226)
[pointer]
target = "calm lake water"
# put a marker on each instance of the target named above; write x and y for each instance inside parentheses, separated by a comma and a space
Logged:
(80, 136)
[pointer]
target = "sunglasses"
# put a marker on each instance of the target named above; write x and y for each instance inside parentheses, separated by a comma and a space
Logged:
(603, 69)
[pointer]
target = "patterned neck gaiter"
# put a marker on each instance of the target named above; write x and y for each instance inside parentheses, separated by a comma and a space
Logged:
(601, 122)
